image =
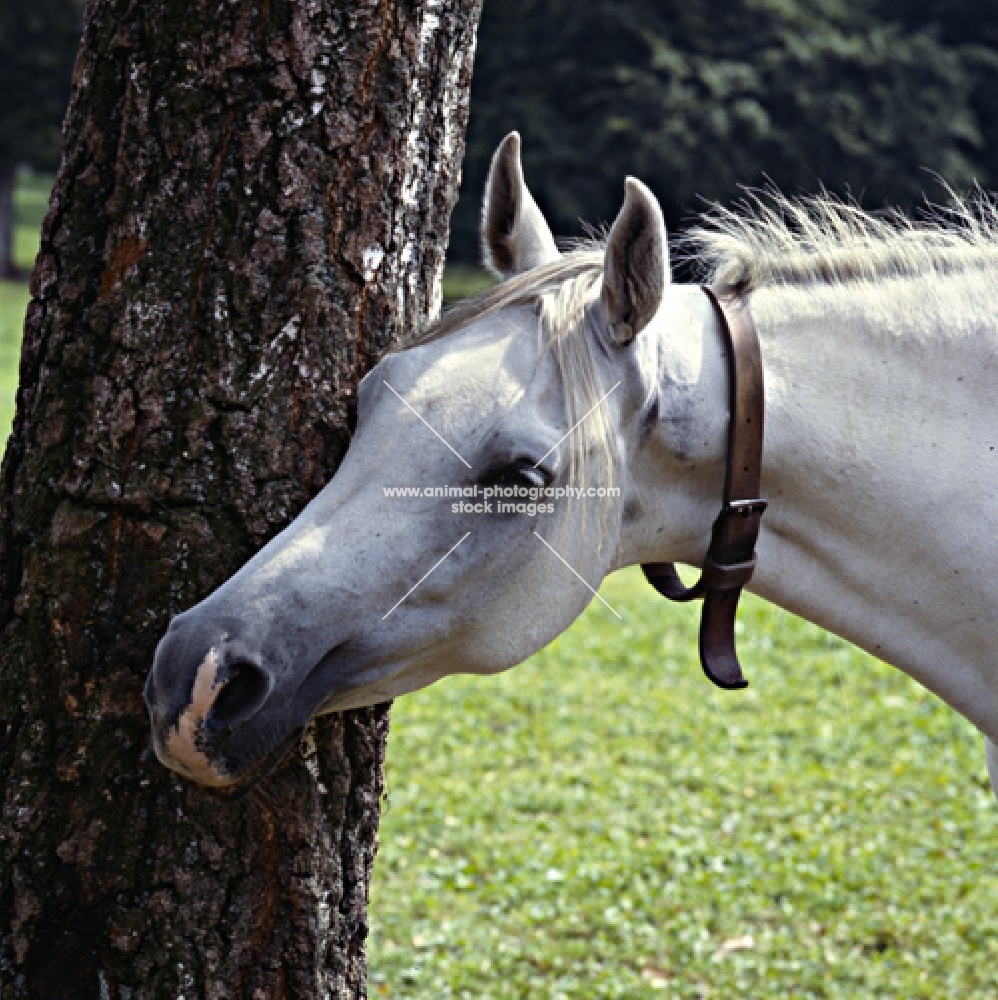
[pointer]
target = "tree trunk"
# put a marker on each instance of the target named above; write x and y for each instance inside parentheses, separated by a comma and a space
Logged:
(8, 268)
(252, 207)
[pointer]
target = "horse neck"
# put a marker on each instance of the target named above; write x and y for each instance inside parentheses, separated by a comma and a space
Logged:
(881, 475)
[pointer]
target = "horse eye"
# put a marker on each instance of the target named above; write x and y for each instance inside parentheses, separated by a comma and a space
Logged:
(529, 474)
(522, 472)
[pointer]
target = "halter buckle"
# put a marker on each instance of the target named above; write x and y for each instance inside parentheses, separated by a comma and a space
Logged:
(746, 507)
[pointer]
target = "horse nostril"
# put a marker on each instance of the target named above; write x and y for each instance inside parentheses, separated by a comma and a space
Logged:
(241, 697)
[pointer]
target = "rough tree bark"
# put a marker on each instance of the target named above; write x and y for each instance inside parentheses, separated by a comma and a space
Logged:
(252, 206)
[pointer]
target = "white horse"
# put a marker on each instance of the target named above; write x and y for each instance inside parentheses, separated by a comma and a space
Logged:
(591, 370)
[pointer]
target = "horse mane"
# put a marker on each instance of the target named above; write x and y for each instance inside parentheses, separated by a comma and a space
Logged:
(775, 240)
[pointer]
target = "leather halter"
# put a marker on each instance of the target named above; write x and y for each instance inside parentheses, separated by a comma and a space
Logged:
(730, 558)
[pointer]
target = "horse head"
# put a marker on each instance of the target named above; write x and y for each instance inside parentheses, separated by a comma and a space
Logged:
(579, 373)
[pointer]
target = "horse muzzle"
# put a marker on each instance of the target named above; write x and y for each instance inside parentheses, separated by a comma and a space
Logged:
(200, 693)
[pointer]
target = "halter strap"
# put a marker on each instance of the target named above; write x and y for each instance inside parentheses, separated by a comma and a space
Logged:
(730, 558)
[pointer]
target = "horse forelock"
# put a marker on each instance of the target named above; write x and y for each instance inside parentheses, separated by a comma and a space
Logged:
(775, 240)
(570, 281)
(563, 293)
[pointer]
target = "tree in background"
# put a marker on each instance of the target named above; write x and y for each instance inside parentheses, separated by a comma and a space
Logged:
(698, 99)
(252, 207)
(38, 42)
(970, 28)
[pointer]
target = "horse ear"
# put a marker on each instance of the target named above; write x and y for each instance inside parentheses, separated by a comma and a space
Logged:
(636, 265)
(515, 236)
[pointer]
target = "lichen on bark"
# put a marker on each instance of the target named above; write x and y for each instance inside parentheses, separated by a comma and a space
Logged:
(251, 208)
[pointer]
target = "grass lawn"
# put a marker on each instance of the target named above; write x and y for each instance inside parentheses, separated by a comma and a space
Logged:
(602, 822)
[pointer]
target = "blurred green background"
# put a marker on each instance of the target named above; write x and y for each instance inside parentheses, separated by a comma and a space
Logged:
(868, 97)
(30, 201)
